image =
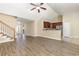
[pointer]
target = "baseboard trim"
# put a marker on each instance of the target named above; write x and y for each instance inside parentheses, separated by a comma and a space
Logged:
(42, 37)
(45, 37)
(72, 37)
(30, 36)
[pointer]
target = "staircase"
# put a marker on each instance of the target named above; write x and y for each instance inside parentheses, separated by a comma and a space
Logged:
(7, 33)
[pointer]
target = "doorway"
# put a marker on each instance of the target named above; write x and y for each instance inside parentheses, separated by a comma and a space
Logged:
(20, 30)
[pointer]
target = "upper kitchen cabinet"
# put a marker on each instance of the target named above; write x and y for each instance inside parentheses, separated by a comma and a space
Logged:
(46, 24)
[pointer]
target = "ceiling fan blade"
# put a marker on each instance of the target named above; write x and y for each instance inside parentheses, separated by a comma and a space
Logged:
(43, 8)
(33, 8)
(33, 4)
(41, 3)
(38, 11)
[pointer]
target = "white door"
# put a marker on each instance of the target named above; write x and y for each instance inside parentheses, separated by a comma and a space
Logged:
(20, 30)
(66, 29)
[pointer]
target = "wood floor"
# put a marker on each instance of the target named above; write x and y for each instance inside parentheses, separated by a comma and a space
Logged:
(38, 47)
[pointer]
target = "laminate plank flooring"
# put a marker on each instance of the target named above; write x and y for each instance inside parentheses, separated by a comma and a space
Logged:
(38, 47)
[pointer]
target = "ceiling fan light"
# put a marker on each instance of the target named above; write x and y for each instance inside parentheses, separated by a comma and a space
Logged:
(37, 7)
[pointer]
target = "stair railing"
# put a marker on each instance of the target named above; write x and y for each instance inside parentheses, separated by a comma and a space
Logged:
(7, 30)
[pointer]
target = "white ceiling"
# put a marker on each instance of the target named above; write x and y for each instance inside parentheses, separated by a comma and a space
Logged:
(63, 8)
(23, 10)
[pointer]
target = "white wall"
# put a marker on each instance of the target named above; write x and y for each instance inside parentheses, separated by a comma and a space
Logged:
(36, 29)
(52, 34)
(27, 25)
(73, 20)
(30, 29)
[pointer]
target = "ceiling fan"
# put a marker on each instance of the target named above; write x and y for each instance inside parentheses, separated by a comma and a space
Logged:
(38, 7)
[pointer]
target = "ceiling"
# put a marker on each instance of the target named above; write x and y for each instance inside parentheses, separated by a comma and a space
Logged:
(64, 8)
(23, 10)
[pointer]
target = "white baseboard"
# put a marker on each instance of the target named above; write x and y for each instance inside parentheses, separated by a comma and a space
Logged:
(51, 38)
(74, 37)
(44, 37)
(32, 35)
